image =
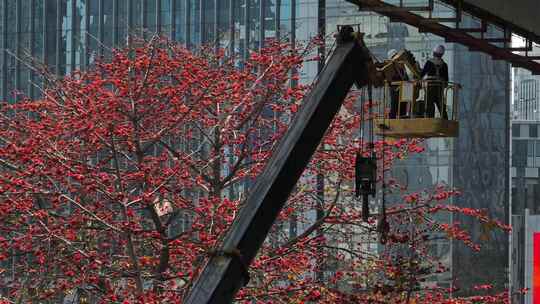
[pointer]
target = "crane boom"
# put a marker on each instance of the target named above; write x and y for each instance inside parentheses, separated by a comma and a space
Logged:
(226, 271)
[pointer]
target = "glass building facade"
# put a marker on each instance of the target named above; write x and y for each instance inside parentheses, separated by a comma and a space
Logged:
(526, 104)
(525, 171)
(525, 168)
(70, 34)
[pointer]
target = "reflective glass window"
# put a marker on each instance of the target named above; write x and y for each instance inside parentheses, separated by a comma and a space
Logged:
(519, 153)
(93, 30)
(254, 23)
(208, 21)
(122, 20)
(150, 15)
(515, 130)
(224, 19)
(285, 15)
(533, 131)
(180, 20)
(65, 33)
(238, 19)
(78, 33)
(165, 17)
(108, 28)
(136, 14)
(195, 24)
(270, 18)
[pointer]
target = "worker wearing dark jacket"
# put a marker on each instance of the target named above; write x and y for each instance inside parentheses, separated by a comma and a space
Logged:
(436, 72)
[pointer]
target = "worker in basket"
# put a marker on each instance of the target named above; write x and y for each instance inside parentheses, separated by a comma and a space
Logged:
(435, 72)
(399, 75)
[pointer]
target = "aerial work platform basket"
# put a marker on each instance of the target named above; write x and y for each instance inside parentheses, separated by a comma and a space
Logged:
(419, 109)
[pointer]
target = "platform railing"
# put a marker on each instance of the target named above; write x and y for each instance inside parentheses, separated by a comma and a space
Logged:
(421, 99)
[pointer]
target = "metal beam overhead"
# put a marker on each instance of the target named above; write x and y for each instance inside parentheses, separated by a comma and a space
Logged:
(480, 9)
(450, 34)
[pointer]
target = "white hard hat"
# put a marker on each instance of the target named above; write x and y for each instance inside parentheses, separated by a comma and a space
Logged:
(439, 50)
(391, 53)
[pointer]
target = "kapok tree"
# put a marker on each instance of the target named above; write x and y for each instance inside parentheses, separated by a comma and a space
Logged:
(120, 181)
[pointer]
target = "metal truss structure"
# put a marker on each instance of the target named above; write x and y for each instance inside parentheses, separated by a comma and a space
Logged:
(452, 29)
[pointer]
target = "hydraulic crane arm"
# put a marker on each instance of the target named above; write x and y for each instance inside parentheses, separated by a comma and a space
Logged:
(226, 271)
